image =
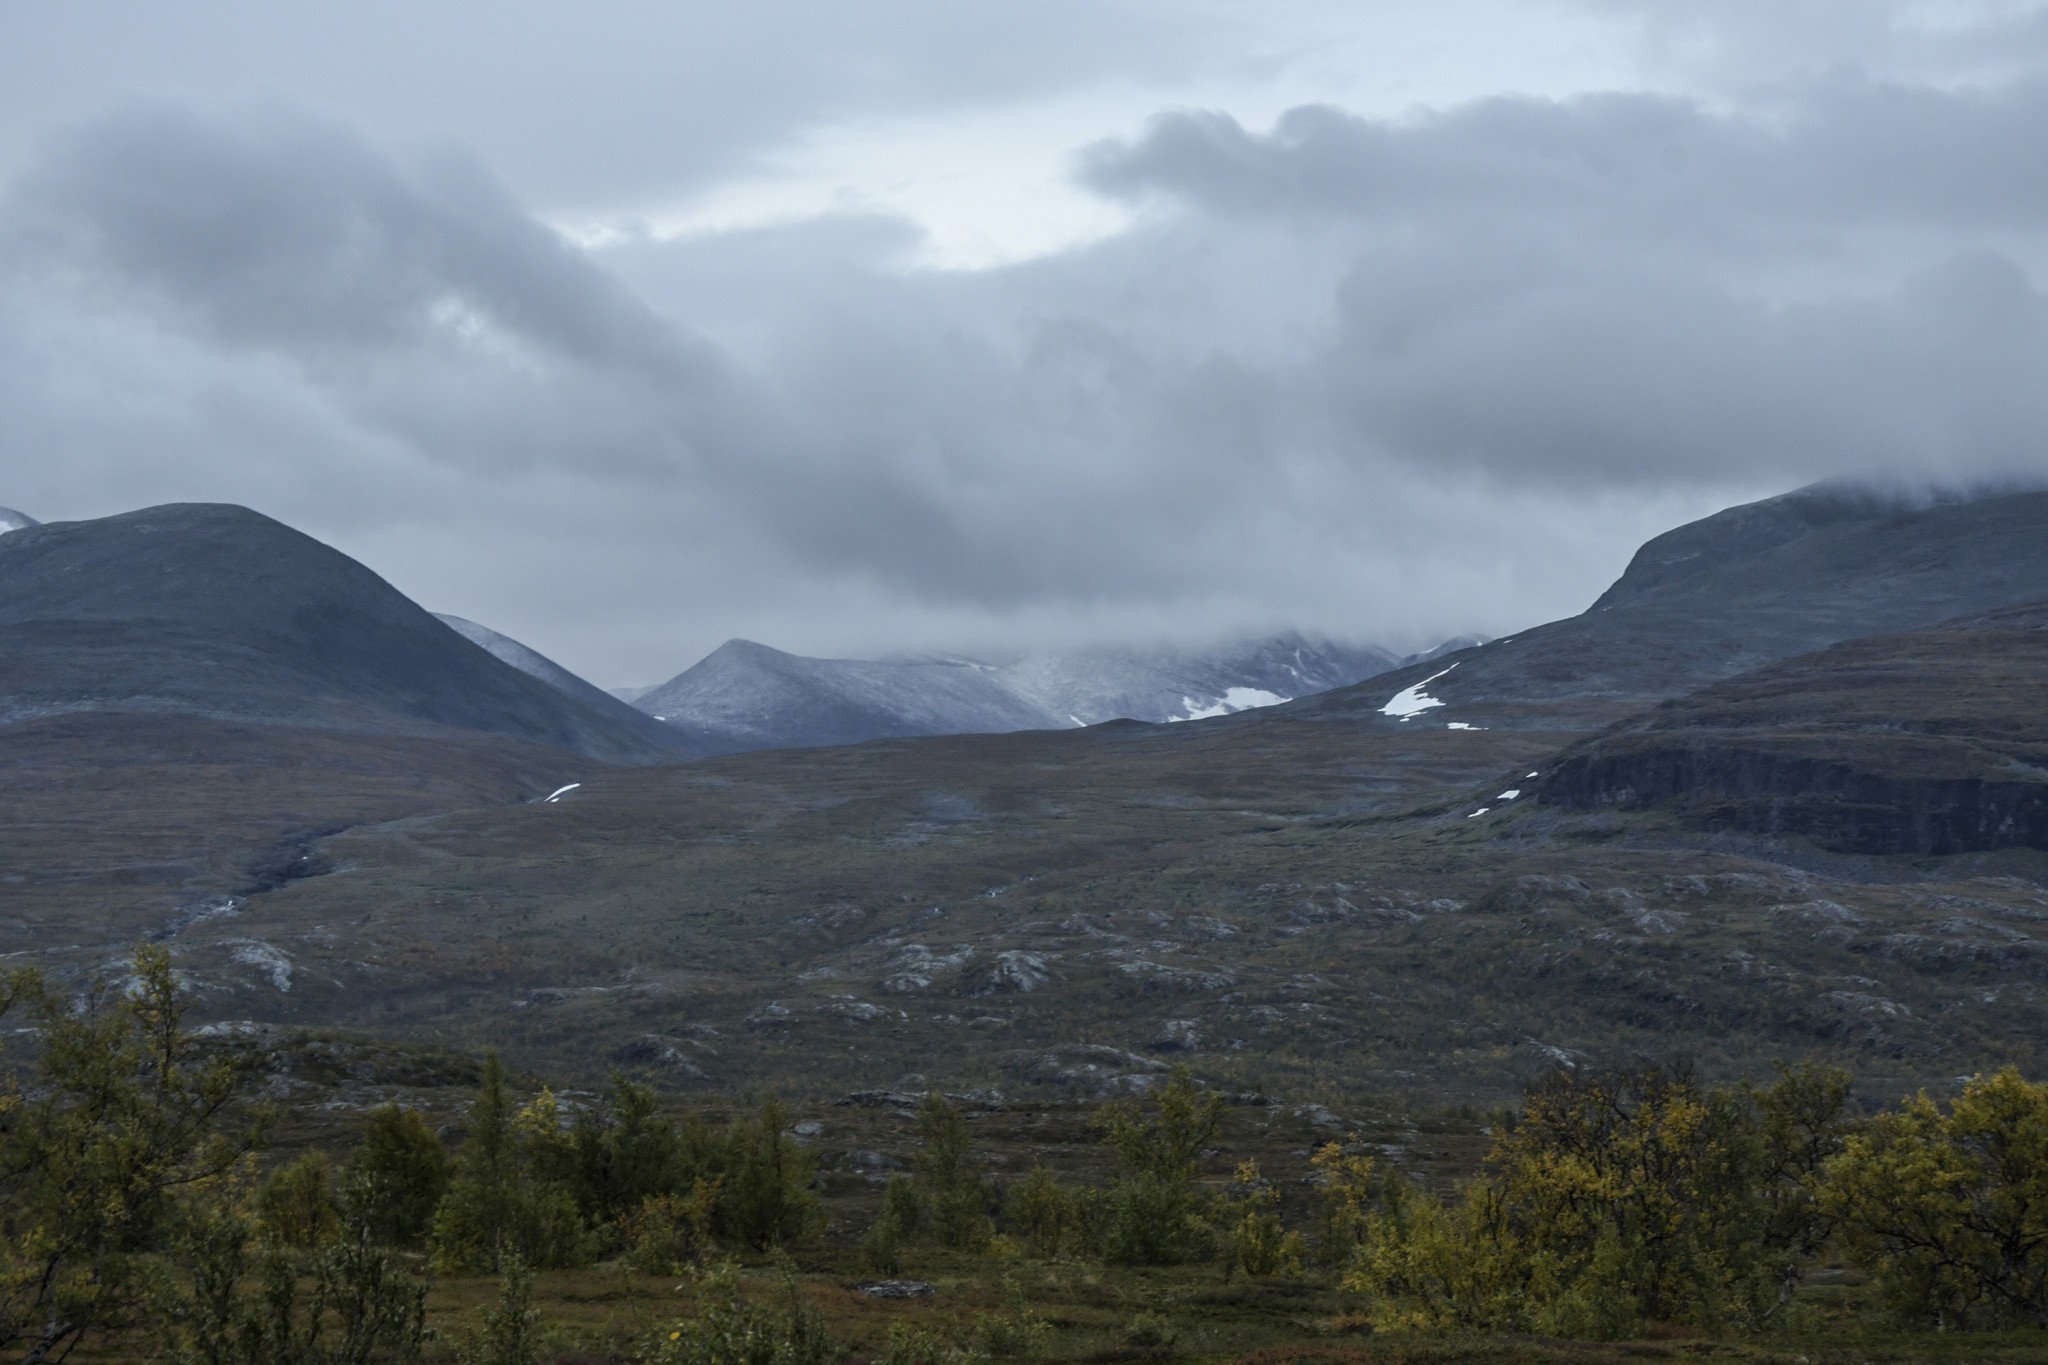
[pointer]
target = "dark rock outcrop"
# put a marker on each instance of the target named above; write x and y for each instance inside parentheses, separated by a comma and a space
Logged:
(1930, 742)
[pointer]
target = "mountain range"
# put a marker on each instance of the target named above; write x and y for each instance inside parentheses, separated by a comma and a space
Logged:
(748, 696)
(743, 696)
(1781, 791)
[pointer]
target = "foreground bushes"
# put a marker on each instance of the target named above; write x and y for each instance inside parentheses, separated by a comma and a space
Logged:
(130, 1198)
(1950, 1210)
(1641, 1196)
(1613, 1201)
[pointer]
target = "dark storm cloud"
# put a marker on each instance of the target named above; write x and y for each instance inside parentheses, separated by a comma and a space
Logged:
(1627, 288)
(1849, 154)
(613, 101)
(270, 227)
(1383, 378)
(424, 310)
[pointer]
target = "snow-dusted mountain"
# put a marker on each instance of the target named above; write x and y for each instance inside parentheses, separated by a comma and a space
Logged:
(11, 520)
(531, 662)
(1090, 686)
(748, 696)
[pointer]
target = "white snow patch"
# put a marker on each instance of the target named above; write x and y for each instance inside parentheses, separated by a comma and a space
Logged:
(559, 792)
(1233, 700)
(1460, 725)
(1510, 794)
(1411, 702)
(1527, 776)
(1477, 813)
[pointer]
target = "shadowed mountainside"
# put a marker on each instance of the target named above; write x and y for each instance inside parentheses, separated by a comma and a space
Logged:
(214, 610)
(1733, 592)
(1931, 742)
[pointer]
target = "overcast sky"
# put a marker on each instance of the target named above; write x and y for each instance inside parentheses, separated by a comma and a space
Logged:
(858, 326)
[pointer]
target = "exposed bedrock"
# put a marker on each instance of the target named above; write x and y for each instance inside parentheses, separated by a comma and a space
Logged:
(1837, 804)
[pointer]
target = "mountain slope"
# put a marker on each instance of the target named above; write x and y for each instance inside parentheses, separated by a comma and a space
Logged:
(1929, 742)
(1727, 594)
(218, 611)
(527, 660)
(11, 520)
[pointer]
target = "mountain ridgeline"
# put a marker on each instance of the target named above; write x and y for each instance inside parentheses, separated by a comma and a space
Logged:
(217, 611)
(746, 696)
(1733, 592)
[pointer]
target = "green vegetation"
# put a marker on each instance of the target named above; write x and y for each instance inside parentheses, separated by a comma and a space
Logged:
(119, 1123)
(1614, 1201)
(1627, 1205)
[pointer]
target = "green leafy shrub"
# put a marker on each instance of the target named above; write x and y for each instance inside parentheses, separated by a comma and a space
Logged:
(510, 1332)
(296, 1206)
(1016, 1333)
(242, 1301)
(1151, 1331)
(1343, 1202)
(766, 1198)
(1949, 1211)
(1616, 1200)
(1157, 1213)
(509, 1190)
(669, 1232)
(726, 1329)
(911, 1344)
(1046, 1213)
(401, 1170)
(119, 1118)
(1259, 1245)
(958, 1195)
(624, 1152)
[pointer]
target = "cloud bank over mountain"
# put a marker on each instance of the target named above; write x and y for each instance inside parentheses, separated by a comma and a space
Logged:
(1377, 372)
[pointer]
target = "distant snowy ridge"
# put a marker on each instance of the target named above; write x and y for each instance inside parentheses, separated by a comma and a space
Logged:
(11, 520)
(749, 696)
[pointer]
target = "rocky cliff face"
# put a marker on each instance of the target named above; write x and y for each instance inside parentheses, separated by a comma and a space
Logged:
(1930, 742)
(1838, 804)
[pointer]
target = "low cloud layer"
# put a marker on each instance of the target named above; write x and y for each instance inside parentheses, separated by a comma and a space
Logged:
(1386, 378)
